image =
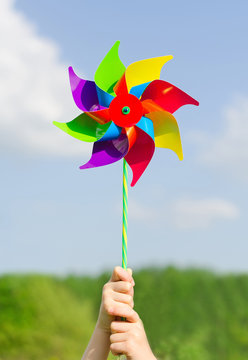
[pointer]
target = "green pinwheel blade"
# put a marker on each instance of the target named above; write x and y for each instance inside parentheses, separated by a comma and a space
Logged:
(84, 128)
(110, 70)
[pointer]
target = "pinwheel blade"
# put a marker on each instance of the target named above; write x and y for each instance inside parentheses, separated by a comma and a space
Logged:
(101, 116)
(166, 95)
(131, 133)
(166, 132)
(107, 152)
(145, 70)
(104, 97)
(146, 125)
(150, 106)
(113, 132)
(84, 128)
(84, 92)
(121, 86)
(140, 154)
(139, 89)
(110, 70)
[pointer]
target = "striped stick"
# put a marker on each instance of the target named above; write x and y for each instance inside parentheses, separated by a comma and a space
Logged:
(125, 213)
(124, 225)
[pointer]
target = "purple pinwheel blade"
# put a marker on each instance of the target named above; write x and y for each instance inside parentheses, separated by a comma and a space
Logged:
(107, 152)
(84, 93)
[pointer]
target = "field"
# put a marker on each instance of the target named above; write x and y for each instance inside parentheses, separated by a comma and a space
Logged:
(188, 314)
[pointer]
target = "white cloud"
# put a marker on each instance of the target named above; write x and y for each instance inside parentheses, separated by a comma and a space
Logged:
(141, 212)
(34, 90)
(184, 213)
(228, 150)
(201, 213)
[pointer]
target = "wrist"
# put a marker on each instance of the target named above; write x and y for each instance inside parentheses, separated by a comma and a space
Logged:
(147, 355)
(153, 357)
(101, 326)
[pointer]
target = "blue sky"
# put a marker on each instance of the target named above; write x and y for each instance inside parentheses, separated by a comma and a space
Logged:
(55, 218)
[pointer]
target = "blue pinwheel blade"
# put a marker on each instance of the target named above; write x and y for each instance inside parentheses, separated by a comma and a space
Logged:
(146, 125)
(104, 98)
(139, 89)
(112, 133)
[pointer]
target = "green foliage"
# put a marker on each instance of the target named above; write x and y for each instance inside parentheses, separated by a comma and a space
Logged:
(41, 319)
(188, 315)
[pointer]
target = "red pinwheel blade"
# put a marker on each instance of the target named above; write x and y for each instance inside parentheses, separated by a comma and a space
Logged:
(166, 95)
(107, 152)
(140, 154)
(121, 87)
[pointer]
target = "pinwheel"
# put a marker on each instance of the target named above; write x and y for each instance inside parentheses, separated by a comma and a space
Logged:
(126, 113)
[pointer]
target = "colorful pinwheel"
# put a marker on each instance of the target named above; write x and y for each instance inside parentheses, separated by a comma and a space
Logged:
(126, 112)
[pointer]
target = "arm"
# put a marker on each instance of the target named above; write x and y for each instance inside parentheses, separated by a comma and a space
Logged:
(98, 347)
(117, 299)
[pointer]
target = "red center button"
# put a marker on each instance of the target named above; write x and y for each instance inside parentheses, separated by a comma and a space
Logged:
(121, 118)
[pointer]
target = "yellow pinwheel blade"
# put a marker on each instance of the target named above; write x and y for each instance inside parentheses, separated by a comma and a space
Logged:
(166, 132)
(143, 71)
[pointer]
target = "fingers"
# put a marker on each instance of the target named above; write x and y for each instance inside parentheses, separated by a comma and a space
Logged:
(130, 339)
(118, 348)
(120, 274)
(123, 298)
(118, 337)
(122, 286)
(117, 301)
(123, 310)
(120, 327)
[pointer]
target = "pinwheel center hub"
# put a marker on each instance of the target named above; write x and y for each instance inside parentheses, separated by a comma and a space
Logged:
(126, 110)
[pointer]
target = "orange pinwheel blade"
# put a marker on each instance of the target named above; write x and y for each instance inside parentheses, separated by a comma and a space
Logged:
(150, 106)
(101, 116)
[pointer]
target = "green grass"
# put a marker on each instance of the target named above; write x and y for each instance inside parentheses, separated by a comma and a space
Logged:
(188, 315)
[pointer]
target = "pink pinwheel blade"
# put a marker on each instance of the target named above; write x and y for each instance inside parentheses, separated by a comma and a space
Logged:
(166, 95)
(84, 93)
(140, 154)
(107, 152)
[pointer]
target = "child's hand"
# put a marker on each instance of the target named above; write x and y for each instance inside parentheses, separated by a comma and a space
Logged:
(117, 298)
(129, 338)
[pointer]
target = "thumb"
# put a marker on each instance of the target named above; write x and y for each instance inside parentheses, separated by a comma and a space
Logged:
(130, 271)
